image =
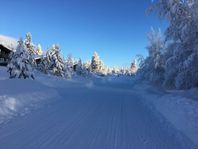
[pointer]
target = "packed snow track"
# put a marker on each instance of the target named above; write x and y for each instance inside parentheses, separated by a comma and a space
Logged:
(86, 117)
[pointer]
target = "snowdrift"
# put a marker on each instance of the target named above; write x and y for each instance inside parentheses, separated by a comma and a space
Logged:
(180, 108)
(18, 96)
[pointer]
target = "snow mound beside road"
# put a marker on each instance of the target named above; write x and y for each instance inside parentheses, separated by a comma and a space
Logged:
(18, 97)
(180, 108)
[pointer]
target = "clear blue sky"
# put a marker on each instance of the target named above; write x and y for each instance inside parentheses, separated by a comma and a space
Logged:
(116, 29)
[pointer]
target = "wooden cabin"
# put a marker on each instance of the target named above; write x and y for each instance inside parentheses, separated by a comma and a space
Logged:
(4, 55)
(7, 45)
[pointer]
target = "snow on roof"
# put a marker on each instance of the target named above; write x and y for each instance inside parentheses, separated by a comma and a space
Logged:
(8, 42)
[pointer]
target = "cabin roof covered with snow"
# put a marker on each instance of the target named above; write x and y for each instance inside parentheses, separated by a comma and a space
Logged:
(8, 42)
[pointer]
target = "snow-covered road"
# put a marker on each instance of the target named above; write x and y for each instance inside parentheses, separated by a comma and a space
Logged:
(92, 118)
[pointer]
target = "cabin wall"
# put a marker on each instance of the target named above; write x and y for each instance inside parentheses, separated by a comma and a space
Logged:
(4, 55)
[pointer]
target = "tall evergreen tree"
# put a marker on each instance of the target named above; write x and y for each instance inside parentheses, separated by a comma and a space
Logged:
(96, 63)
(19, 64)
(31, 49)
(54, 61)
(28, 44)
(79, 68)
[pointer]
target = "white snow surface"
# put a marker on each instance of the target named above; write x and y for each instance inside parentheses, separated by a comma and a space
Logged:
(8, 42)
(18, 96)
(180, 108)
(95, 113)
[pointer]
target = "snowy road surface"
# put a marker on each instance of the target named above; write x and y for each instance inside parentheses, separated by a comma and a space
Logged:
(92, 118)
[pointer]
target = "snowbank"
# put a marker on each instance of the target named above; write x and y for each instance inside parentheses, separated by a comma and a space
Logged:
(180, 108)
(18, 96)
(3, 73)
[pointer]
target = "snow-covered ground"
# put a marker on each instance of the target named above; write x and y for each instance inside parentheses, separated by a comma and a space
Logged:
(180, 108)
(18, 96)
(97, 113)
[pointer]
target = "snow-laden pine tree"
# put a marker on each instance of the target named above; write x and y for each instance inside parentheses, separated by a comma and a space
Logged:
(122, 71)
(69, 66)
(153, 67)
(87, 66)
(44, 64)
(115, 71)
(104, 70)
(79, 68)
(109, 71)
(28, 44)
(31, 49)
(19, 64)
(96, 63)
(54, 62)
(70, 62)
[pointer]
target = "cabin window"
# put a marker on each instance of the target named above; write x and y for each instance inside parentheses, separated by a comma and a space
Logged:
(1, 59)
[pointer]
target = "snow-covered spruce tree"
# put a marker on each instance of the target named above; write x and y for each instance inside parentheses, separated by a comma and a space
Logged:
(109, 71)
(44, 64)
(54, 62)
(19, 64)
(123, 71)
(87, 66)
(79, 68)
(29, 45)
(68, 72)
(115, 71)
(96, 63)
(153, 67)
(31, 49)
(69, 66)
(104, 70)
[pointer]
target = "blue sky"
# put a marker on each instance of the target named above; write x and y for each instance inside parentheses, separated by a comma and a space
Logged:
(116, 29)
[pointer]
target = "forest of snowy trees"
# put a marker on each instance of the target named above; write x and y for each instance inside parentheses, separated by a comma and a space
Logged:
(173, 57)
(29, 58)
